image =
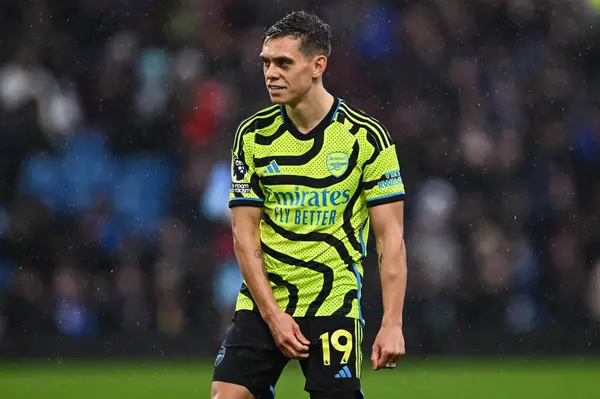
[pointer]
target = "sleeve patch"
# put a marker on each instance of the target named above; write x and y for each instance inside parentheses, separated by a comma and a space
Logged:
(239, 169)
(391, 179)
(241, 188)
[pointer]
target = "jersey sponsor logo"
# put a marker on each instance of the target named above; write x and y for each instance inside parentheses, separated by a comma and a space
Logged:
(238, 169)
(392, 179)
(299, 198)
(337, 163)
(307, 198)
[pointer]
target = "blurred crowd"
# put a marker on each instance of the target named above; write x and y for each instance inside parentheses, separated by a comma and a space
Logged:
(116, 127)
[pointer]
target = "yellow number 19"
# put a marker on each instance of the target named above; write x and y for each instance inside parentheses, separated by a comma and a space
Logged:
(335, 342)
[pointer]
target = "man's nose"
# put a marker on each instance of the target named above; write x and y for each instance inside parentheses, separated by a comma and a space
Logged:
(272, 72)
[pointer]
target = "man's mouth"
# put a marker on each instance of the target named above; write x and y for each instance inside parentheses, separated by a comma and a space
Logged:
(275, 89)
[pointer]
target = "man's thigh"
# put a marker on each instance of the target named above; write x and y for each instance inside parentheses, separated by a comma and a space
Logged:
(249, 357)
(335, 359)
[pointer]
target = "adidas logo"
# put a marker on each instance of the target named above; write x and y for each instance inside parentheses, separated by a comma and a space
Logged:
(344, 373)
(272, 168)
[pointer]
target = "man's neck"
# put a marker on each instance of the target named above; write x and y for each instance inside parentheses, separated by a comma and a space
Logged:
(307, 114)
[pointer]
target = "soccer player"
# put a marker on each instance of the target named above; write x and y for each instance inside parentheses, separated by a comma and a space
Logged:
(310, 176)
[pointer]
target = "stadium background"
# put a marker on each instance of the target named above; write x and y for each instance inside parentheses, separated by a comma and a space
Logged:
(116, 125)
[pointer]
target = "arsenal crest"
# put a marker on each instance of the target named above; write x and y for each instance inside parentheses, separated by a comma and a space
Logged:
(337, 163)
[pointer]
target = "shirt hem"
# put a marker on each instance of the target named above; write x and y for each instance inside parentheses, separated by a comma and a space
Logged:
(346, 310)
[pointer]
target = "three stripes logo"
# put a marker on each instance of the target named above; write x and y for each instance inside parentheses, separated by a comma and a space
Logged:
(344, 373)
(272, 168)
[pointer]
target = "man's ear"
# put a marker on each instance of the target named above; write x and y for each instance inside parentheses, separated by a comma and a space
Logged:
(319, 66)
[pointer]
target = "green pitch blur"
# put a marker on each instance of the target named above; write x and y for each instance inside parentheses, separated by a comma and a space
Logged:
(460, 379)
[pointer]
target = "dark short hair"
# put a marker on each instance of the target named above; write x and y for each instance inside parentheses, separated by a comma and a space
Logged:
(315, 35)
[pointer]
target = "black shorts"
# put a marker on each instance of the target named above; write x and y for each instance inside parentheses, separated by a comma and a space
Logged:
(249, 356)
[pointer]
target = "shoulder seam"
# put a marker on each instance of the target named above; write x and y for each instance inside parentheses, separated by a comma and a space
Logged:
(379, 147)
(369, 129)
(244, 126)
(262, 112)
(361, 118)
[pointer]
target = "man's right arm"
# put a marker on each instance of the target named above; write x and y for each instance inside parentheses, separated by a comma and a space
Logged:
(246, 202)
(246, 237)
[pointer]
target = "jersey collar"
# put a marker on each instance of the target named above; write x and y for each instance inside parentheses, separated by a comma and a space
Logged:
(319, 129)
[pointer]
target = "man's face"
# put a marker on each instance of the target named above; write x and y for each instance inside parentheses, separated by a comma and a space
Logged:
(288, 72)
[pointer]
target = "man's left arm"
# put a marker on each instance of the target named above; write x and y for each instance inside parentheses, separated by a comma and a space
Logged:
(384, 193)
(388, 227)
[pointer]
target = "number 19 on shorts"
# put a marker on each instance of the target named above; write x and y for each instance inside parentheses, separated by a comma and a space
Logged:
(340, 347)
(343, 345)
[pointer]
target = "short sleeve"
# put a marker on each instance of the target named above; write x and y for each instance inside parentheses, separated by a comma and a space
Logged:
(245, 187)
(382, 181)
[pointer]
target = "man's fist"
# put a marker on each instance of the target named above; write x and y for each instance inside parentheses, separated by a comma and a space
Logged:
(388, 348)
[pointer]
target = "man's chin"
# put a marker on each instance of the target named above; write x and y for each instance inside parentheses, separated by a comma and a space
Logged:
(279, 100)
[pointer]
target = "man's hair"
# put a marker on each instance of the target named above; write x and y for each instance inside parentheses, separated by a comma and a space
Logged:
(314, 34)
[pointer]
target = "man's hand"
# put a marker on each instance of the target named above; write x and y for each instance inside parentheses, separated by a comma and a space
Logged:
(388, 348)
(288, 337)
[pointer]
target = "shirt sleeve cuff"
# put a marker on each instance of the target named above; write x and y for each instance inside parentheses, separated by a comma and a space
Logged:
(255, 202)
(386, 199)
